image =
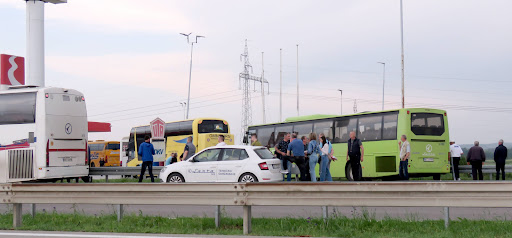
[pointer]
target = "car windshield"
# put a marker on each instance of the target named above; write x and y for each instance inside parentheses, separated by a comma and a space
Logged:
(264, 153)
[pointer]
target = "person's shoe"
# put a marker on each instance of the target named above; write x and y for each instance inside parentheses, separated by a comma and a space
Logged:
(284, 171)
(458, 179)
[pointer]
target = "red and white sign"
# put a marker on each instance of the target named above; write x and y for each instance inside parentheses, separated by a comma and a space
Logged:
(12, 70)
(157, 129)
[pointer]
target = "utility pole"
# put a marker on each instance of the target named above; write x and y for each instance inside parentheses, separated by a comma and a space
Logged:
(263, 88)
(298, 114)
(184, 105)
(341, 101)
(245, 77)
(383, 81)
(280, 85)
(355, 105)
(190, 74)
(402, 43)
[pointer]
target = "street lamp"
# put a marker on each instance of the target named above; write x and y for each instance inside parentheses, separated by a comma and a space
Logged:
(383, 81)
(183, 105)
(341, 101)
(190, 74)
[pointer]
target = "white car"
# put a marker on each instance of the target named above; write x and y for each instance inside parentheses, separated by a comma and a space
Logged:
(232, 163)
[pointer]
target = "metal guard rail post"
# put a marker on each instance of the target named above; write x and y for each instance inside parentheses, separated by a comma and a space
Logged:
(351, 194)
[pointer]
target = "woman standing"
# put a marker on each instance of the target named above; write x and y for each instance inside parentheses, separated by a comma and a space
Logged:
(313, 152)
(325, 173)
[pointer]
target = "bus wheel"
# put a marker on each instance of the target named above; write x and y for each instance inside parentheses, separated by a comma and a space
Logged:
(87, 179)
(437, 177)
(92, 165)
(175, 178)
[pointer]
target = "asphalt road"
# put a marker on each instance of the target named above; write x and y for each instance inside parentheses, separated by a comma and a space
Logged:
(409, 213)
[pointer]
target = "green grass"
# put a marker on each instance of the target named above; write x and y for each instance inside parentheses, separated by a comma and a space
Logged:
(336, 227)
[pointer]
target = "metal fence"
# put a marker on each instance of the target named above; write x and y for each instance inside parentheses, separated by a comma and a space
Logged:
(350, 194)
(486, 169)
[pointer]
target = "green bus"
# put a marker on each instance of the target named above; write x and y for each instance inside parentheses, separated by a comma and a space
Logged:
(426, 130)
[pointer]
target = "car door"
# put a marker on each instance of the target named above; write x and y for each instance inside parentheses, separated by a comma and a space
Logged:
(203, 166)
(231, 164)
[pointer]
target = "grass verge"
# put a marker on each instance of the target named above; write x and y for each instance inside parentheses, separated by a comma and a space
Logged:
(335, 227)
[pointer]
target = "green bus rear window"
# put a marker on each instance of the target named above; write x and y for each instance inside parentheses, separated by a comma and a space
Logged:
(427, 124)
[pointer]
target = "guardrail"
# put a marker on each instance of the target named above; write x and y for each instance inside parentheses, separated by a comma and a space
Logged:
(130, 171)
(486, 169)
(357, 194)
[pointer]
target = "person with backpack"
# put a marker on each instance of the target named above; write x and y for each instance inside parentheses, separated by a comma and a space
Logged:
(146, 151)
(314, 154)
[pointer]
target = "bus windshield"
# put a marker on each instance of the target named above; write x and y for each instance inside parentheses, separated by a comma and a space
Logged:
(212, 126)
(427, 124)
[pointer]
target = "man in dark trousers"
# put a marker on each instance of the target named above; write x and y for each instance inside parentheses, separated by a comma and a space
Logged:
(500, 155)
(296, 151)
(146, 151)
(355, 154)
(476, 157)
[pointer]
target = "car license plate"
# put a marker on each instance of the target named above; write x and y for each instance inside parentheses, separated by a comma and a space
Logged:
(428, 159)
(276, 166)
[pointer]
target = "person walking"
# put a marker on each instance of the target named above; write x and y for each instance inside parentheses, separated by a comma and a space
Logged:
(355, 155)
(455, 153)
(500, 155)
(221, 141)
(325, 173)
(281, 149)
(190, 148)
(405, 153)
(254, 140)
(313, 153)
(476, 157)
(146, 151)
(296, 151)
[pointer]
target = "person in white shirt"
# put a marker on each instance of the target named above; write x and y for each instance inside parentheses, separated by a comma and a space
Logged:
(405, 153)
(455, 153)
(221, 141)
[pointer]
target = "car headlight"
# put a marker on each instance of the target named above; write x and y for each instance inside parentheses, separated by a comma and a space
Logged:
(163, 169)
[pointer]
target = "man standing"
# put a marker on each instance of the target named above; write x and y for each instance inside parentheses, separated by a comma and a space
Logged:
(500, 155)
(405, 153)
(254, 140)
(172, 159)
(455, 153)
(190, 149)
(296, 149)
(221, 141)
(476, 157)
(146, 150)
(281, 149)
(355, 155)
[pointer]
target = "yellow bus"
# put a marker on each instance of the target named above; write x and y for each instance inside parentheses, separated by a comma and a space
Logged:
(205, 132)
(103, 153)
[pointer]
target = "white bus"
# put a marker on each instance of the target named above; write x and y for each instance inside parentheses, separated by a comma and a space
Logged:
(43, 134)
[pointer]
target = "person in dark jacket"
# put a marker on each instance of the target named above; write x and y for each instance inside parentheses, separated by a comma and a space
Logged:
(476, 157)
(500, 155)
(146, 151)
(355, 155)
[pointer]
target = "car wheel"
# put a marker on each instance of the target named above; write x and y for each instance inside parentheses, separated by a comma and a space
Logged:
(175, 178)
(92, 165)
(247, 178)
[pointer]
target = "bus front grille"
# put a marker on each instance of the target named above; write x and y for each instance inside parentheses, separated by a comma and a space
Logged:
(21, 164)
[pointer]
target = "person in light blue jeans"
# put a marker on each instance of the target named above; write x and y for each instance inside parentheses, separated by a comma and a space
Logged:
(325, 173)
(313, 152)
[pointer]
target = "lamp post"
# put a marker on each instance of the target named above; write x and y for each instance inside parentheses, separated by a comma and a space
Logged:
(183, 105)
(402, 44)
(190, 74)
(341, 101)
(383, 81)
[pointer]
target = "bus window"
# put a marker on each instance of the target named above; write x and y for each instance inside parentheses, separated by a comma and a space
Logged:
(281, 131)
(323, 127)
(17, 108)
(427, 124)
(370, 128)
(390, 125)
(113, 146)
(343, 128)
(212, 126)
(303, 129)
(266, 136)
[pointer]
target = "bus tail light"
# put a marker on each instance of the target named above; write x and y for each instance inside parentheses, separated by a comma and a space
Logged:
(263, 166)
(408, 112)
(47, 95)
(48, 153)
(86, 154)
(106, 159)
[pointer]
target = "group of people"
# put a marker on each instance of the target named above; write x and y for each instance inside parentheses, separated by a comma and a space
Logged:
(476, 158)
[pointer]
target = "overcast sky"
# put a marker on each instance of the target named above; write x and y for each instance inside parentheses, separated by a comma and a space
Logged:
(132, 64)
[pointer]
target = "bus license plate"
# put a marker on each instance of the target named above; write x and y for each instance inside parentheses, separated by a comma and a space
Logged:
(67, 159)
(276, 166)
(428, 159)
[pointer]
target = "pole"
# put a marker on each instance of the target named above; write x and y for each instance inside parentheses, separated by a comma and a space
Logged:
(298, 80)
(402, 43)
(383, 81)
(263, 88)
(280, 85)
(341, 101)
(189, 80)
(35, 43)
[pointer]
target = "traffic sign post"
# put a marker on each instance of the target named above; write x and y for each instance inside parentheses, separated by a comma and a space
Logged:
(157, 127)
